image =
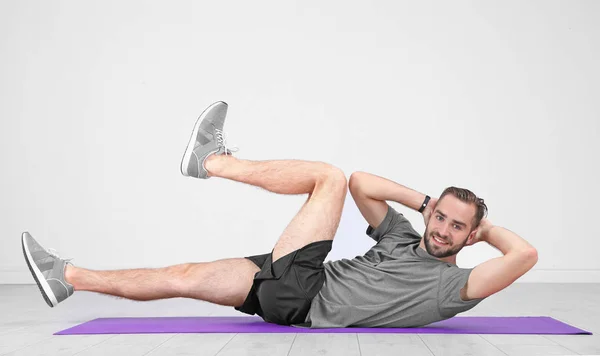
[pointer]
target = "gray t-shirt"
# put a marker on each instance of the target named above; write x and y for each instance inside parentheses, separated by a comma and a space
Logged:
(395, 284)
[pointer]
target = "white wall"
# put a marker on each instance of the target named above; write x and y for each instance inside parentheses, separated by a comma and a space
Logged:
(98, 100)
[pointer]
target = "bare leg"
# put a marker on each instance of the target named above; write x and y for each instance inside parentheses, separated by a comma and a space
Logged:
(277, 176)
(225, 282)
(320, 215)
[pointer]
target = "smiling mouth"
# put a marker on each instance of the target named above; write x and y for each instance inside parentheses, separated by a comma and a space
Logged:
(440, 242)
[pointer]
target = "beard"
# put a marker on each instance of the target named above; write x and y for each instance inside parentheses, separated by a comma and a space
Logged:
(441, 251)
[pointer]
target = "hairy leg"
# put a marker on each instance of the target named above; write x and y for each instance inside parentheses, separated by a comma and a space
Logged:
(224, 282)
(317, 220)
(277, 176)
(320, 215)
(228, 281)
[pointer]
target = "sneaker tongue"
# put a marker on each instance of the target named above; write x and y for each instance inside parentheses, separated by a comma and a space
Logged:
(224, 151)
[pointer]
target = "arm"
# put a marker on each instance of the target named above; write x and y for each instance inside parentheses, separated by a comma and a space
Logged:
(498, 273)
(370, 193)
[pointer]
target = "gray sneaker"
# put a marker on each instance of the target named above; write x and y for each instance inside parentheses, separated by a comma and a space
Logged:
(48, 270)
(207, 138)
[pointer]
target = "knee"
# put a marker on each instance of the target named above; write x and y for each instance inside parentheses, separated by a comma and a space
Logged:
(334, 178)
(179, 277)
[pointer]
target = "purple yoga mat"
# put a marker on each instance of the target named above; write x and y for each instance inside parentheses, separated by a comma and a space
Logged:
(252, 324)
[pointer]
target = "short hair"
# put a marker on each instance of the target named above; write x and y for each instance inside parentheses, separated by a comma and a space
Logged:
(468, 196)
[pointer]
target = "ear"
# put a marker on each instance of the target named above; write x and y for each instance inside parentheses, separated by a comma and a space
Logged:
(471, 240)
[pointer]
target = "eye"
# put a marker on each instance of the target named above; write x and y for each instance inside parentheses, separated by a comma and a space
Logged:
(457, 227)
(439, 217)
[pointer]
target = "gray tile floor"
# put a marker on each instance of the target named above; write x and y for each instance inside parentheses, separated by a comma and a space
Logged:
(27, 325)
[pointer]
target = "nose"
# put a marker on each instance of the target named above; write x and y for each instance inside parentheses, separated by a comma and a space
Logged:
(444, 231)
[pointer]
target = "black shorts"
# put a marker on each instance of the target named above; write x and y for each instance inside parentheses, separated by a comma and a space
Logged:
(282, 291)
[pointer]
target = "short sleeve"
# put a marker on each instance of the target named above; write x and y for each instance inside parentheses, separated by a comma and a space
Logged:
(452, 280)
(394, 225)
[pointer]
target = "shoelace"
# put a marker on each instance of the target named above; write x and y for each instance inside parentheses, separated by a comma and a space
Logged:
(222, 141)
(52, 252)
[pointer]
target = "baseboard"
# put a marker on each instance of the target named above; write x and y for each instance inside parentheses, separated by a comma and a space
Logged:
(560, 276)
(21, 275)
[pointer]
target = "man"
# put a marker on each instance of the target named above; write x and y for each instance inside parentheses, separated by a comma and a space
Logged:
(405, 280)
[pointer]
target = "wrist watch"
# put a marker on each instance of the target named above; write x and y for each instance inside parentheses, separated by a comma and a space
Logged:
(424, 205)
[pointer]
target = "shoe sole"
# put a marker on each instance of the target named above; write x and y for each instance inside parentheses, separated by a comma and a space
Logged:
(185, 161)
(44, 287)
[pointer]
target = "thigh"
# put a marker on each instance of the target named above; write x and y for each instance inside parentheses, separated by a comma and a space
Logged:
(224, 282)
(317, 220)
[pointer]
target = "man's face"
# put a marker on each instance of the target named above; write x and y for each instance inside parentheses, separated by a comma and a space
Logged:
(451, 222)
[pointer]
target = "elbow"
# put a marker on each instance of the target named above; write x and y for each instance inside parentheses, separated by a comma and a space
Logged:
(353, 181)
(531, 255)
